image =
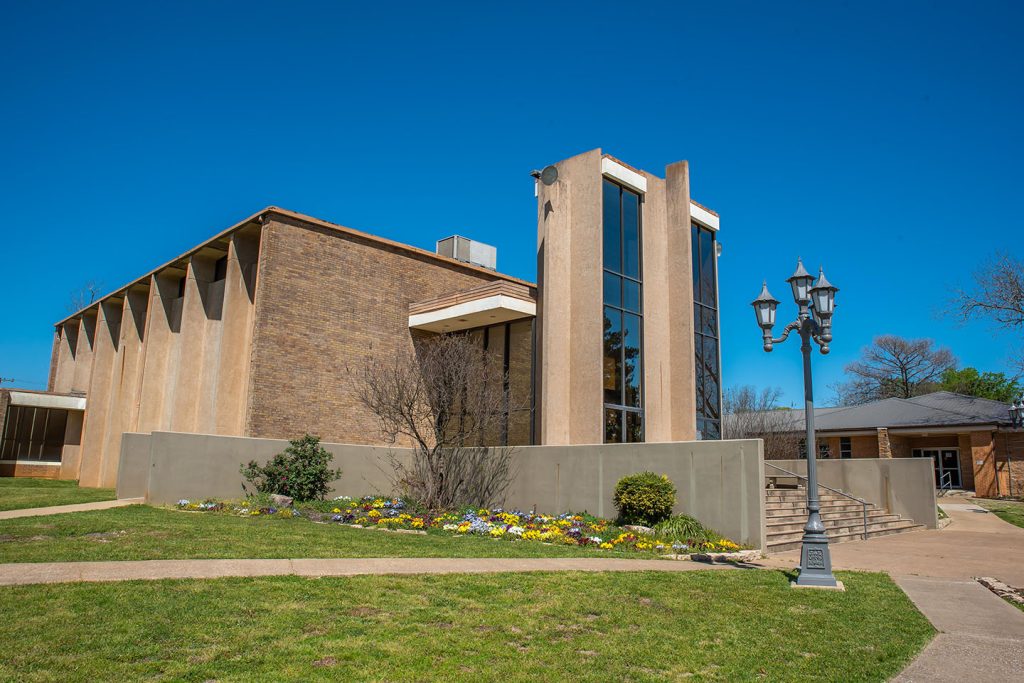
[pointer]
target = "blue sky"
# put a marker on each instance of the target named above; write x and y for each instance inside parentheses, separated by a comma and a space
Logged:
(881, 140)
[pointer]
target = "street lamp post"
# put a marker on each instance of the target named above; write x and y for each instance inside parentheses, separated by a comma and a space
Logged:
(1017, 413)
(816, 302)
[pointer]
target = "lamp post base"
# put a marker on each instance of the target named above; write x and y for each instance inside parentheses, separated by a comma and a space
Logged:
(816, 563)
(838, 587)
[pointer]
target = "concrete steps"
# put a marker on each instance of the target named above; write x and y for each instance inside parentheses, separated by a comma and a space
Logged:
(786, 515)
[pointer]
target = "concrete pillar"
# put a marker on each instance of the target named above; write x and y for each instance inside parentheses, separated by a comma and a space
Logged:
(569, 311)
(884, 447)
(983, 460)
(71, 454)
(83, 355)
(161, 335)
(212, 292)
(185, 390)
(108, 331)
(67, 346)
(679, 308)
(239, 300)
(125, 379)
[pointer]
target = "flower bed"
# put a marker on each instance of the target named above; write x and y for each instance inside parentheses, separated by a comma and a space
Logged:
(510, 525)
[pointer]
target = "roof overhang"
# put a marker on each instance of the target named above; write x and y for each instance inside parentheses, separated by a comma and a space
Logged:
(466, 315)
(32, 399)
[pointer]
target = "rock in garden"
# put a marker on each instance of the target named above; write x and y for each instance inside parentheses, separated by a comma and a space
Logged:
(637, 529)
(280, 501)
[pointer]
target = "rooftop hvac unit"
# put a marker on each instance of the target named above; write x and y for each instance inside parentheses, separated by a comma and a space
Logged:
(469, 251)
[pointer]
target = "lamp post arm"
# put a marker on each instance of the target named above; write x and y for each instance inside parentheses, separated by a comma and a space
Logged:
(769, 341)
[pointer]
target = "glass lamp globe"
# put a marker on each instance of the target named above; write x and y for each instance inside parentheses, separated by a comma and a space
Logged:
(764, 308)
(801, 282)
(823, 297)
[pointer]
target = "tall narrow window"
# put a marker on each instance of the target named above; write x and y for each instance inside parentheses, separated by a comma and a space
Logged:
(705, 334)
(845, 447)
(623, 316)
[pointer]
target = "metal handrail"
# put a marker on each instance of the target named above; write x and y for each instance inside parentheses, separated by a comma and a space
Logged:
(863, 502)
(946, 477)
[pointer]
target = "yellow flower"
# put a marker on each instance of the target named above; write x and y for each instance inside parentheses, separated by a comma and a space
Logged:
(373, 513)
(417, 523)
(497, 531)
(336, 510)
(606, 546)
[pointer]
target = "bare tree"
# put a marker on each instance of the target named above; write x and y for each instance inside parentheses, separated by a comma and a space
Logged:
(750, 414)
(451, 401)
(84, 296)
(997, 295)
(894, 367)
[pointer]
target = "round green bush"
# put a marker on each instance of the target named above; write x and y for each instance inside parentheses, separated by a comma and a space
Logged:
(301, 472)
(644, 498)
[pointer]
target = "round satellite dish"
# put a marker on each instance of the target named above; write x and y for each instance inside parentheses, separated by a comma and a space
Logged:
(549, 175)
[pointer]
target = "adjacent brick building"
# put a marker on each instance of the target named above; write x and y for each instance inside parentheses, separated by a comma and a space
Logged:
(970, 439)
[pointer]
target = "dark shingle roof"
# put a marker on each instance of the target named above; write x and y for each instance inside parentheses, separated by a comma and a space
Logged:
(939, 409)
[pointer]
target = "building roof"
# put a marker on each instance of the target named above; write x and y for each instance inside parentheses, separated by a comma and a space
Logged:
(938, 409)
(285, 213)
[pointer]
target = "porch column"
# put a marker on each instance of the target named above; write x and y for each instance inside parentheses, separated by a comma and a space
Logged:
(884, 447)
(983, 461)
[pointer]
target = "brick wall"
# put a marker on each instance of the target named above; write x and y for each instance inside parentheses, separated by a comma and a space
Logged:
(326, 301)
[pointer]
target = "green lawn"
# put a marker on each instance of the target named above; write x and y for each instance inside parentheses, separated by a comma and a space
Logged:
(644, 626)
(140, 532)
(1009, 510)
(17, 493)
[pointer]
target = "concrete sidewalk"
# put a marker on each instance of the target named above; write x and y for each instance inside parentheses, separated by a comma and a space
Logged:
(77, 507)
(16, 574)
(981, 636)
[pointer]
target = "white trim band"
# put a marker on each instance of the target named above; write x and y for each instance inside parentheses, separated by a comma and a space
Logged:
(24, 398)
(626, 176)
(703, 216)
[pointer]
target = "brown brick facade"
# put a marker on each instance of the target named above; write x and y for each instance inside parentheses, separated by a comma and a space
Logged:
(326, 301)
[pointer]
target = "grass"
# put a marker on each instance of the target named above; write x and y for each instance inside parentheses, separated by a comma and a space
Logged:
(18, 493)
(645, 626)
(140, 532)
(1011, 511)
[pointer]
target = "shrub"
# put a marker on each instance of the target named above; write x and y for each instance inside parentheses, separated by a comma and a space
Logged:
(302, 471)
(644, 498)
(684, 528)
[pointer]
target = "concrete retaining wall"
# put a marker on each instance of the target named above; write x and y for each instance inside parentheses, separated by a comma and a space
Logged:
(903, 486)
(721, 483)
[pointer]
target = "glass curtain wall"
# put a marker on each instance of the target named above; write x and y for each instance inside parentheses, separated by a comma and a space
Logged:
(623, 316)
(510, 347)
(706, 339)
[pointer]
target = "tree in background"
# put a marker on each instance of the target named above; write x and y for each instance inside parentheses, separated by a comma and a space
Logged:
(753, 414)
(894, 367)
(997, 295)
(84, 296)
(991, 385)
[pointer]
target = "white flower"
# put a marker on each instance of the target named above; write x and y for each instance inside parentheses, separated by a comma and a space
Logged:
(515, 530)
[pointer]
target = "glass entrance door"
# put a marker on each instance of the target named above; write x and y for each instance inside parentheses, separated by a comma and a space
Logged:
(947, 466)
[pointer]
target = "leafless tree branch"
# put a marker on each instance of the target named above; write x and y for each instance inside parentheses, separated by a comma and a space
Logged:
(451, 401)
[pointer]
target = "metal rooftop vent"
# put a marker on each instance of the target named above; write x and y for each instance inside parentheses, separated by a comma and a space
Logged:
(470, 251)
